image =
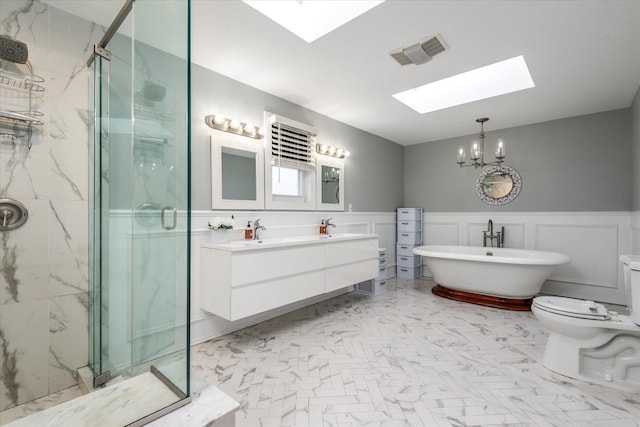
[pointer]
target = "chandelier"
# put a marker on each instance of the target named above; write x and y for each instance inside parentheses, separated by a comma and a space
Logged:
(476, 152)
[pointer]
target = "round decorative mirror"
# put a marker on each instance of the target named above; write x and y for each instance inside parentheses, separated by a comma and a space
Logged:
(498, 185)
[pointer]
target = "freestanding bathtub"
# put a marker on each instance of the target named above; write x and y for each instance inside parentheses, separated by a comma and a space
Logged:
(496, 277)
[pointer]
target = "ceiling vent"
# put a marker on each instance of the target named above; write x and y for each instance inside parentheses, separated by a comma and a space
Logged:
(420, 53)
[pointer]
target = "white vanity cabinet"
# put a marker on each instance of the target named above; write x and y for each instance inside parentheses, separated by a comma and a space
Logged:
(241, 279)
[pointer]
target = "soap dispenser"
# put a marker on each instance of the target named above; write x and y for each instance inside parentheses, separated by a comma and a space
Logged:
(323, 228)
(248, 232)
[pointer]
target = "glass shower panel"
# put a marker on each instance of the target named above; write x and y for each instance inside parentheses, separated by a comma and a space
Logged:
(111, 217)
(160, 262)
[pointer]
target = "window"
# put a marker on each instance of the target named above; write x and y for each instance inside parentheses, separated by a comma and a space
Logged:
(289, 164)
(286, 182)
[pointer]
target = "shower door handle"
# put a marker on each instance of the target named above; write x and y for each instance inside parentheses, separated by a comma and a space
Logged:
(163, 223)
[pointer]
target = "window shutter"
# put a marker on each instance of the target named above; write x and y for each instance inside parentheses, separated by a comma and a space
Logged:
(292, 143)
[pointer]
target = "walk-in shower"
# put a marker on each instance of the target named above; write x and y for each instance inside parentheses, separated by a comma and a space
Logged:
(94, 209)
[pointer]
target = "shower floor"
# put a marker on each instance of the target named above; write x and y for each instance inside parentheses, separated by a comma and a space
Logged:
(124, 402)
(116, 405)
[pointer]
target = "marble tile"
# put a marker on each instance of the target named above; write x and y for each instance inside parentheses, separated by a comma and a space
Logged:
(68, 338)
(63, 280)
(67, 89)
(116, 405)
(24, 274)
(46, 257)
(208, 404)
(406, 357)
(23, 352)
(68, 225)
(39, 405)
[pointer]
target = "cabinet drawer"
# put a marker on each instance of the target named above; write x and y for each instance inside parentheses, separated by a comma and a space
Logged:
(408, 261)
(346, 275)
(410, 238)
(404, 249)
(411, 226)
(409, 273)
(340, 253)
(257, 298)
(410, 214)
(267, 264)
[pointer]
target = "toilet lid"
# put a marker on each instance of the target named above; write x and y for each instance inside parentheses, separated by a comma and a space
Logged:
(572, 307)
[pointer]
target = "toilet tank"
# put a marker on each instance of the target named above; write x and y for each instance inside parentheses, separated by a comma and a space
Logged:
(631, 269)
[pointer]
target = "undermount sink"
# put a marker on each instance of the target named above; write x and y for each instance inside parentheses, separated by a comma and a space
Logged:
(238, 245)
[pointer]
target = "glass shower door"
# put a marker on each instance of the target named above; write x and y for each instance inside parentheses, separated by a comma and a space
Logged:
(140, 221)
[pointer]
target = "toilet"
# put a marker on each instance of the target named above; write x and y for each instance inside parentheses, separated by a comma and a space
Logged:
(590, 343)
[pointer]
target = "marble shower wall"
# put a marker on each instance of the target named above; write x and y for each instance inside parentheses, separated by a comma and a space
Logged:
(43, 266)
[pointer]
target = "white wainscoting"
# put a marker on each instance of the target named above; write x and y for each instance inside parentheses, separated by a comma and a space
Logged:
(593, 240)
(205, 326)
(635, 228)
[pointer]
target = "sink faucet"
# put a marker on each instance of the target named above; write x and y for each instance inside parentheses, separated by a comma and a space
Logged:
(256, 227)
(328, 223)
(489, 235)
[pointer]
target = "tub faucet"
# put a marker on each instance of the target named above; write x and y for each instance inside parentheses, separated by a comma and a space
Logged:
(256, 227)
(328, 223)
(491, 236)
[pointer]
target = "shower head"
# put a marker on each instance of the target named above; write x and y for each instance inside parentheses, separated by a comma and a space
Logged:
(153, 91)
(13, 50)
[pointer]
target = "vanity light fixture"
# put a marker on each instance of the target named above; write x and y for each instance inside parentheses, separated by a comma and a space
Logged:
(328, 150)
(476, 151)
(216, 121)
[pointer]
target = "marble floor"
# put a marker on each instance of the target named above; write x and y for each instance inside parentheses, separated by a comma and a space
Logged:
(403, 358)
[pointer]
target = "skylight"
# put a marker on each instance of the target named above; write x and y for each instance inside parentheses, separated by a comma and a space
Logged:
(311, 20)
(496, 79)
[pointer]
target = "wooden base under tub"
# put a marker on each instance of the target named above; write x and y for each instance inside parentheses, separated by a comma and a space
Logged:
(515, 304)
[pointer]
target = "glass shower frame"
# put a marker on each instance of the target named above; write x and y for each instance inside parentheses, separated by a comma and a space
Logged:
(140, 222)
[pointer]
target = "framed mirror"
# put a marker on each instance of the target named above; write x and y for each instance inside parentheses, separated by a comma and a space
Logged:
(329, 184)
(237, 172)
(498, 185)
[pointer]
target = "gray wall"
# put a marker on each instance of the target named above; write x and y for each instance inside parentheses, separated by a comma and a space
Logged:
(576, 164)
(373, 174)
(635, 156)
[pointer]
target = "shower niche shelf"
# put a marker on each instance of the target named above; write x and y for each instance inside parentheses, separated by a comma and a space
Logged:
(18, 114)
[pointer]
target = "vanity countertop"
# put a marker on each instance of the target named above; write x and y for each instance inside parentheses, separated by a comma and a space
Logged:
(277, 242)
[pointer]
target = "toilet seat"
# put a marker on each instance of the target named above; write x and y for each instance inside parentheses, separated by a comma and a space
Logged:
(572, 307)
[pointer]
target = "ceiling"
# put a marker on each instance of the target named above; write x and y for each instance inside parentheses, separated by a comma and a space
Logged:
(583, 56)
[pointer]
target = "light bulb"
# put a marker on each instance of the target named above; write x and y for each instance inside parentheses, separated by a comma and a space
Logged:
(475, 151)
(261, 131)
(340, 152)
(323, 148)
(218, 119)
(235, 124)
(249, 129)
(500, 150)
(347, 153)
(332, 150)
(461, 155)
